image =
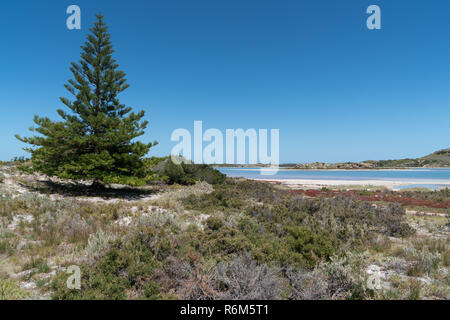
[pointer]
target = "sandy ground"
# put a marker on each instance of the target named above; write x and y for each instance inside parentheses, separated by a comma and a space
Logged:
(317, 184)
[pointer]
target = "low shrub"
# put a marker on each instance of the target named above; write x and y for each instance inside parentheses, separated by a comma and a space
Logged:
(308, 247)
(98, 243)
(220, 199)
(307, 285)
(187, 173)
(124, 271)
(245, 279)
(424, 261)
(175, 173)
(214, 223)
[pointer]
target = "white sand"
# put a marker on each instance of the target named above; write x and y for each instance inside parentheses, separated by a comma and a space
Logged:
(317, 183)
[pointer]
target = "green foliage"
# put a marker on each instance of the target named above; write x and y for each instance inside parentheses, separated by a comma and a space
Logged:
(26, 168)
(218, 199)
(309, 247)
(127, 180)
(150, 163)
(19, 159)
(187, 173)
(151, 290)
(175, 173)
(289, 230)
(203, 172)
(214, 223)
(126, 268)
(97, 139)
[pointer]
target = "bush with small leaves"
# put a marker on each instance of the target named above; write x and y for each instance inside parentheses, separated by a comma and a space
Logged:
(125, 268)
(307, 285)
(98, 244)
(245, 279)
(190, 279)
(424, 261)
(214, 223)
(309, 247)
(76, 228)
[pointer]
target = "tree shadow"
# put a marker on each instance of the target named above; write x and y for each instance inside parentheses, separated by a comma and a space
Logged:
(81, 190)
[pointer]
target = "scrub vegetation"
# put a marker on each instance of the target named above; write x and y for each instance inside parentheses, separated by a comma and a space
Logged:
(206, 237)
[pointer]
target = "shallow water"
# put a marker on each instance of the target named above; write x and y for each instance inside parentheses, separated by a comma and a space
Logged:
(432, 178)
(424, 185)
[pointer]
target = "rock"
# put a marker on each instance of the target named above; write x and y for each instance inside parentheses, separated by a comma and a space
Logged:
(396, 240)
(373, 269)
(23, 273)
(43, 276)
(426, 280)
(23, 242)
(18, 219)
(28, 285)
(124, 222)
(378, 277)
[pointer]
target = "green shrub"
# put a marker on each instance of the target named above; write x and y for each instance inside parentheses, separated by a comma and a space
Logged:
(214, 223)
(222, 198)
(125, 268)
(277, 226)
(150, 290)
(245, 279)
(98, 243)
(26, 168)
(125, 180)
(188, 173)
(309, 247)
(151, 163)
(174, 172)
(203, 172)
(424, 260)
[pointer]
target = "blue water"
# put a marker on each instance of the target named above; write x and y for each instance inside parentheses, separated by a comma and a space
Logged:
(432, 178)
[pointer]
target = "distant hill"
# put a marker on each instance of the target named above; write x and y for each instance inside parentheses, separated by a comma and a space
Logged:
(441, 155)
(438, 159)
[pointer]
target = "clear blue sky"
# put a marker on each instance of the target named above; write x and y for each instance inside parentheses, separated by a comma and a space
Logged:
(336, 90)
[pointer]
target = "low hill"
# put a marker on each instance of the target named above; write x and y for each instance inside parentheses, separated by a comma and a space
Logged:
(441, 155)
(438, 159)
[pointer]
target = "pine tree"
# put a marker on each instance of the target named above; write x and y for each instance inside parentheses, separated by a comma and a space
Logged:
(96, 140)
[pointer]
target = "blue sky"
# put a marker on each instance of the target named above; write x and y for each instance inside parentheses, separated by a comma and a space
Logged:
(336, 90)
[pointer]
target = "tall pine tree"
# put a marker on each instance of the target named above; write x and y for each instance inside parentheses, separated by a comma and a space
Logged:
(96, 140)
